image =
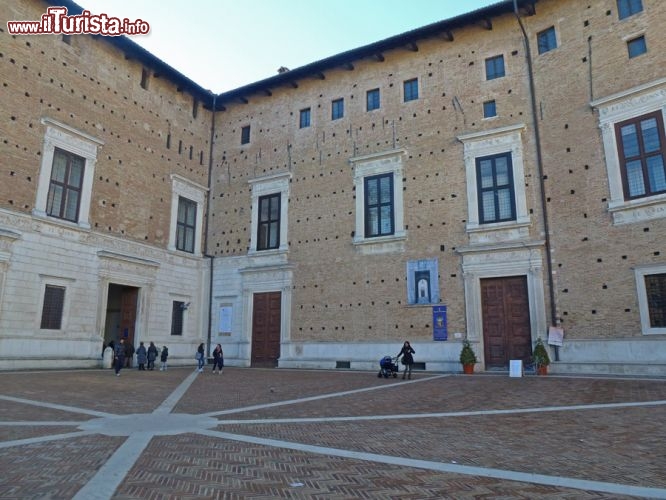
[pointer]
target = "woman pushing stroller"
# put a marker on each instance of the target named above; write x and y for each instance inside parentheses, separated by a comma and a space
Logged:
(407, 359)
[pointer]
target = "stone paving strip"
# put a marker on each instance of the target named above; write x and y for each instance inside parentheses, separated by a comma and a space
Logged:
(140, 429)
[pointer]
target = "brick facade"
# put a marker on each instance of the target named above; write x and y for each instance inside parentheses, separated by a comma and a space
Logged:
(345, 293)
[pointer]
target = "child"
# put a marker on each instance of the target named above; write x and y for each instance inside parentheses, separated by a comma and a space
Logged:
(163, 358)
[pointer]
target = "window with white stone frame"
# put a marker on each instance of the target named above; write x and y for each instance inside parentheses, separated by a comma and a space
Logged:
(64, 188)
(54, 303)
(270, 203)
(379, 201)
(651, 291)
(632, 131)
(187, 209)
(495, 176)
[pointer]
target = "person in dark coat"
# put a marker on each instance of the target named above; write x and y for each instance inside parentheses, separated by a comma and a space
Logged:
(129, 353)
(164, 355)
(407, 359)
(119, 358)
(152, 355)
(141, 356)
(218, 359)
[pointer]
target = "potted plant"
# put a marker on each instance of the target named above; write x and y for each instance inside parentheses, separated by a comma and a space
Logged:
(467, 358)
(540, 358)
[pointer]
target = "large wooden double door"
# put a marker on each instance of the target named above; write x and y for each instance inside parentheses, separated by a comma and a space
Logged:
(266, 319)
(506, 320)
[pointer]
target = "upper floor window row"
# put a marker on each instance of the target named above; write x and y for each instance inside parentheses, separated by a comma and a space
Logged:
(546, 40)
(627, 8)
(495, 67)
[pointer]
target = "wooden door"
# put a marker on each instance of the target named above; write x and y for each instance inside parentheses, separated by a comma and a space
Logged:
(506, 320)
(128, 301)
(266, 319)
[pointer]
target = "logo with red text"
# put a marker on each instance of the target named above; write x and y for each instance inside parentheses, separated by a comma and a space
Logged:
(56, 21)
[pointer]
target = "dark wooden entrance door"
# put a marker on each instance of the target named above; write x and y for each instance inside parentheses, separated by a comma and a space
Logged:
(506, 320)
(128, 299)
(266, 321)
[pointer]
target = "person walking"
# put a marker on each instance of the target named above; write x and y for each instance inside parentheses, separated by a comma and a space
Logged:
(199, 356)
(163, 358)
(407, 359)
(152, 356)
(218, 359)
(141, 357)
(119, 358)
(129, 353)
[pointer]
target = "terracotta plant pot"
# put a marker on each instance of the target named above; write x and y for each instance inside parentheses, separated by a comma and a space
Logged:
(542, 370)
(468, 369)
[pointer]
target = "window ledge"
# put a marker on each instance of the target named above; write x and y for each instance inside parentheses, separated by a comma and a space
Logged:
(267, 253)
(60, 222)
(627, 212)
(381, 244)
(497, 226)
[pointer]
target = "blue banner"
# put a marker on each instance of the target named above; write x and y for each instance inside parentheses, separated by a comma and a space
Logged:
(439, 330)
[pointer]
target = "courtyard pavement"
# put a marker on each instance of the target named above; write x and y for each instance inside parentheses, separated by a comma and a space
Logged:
(259, 433)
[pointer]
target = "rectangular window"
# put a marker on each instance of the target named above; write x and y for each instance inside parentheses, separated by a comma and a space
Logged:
(494, 67)
(379, 205)
(411, 88)
(372, 99)
(546, 40)
(304, 120)
(494, 177)
(636, 47)
(626, 8)
(65, 187)
(145, 76)
(186, 224)
(655, 287)
(489, 109)
(337, 109)
(245, 134)
(642, 149)
(177, 311)
(268, 236)
(54, 303)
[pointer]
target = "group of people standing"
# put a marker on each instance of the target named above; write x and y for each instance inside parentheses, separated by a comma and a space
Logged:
(123, 352)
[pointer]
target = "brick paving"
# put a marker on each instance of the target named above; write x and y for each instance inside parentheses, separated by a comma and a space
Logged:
(434, 437)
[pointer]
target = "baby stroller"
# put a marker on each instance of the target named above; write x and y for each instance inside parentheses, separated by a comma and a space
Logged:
(388, 366)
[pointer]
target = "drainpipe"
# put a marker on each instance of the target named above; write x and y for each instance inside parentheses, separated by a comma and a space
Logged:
(537, 140)
(206, 225)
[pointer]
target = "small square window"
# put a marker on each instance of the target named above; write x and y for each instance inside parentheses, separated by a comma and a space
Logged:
(411, 88)
(636, 47)
(245, 134)
(304, 119)
(494, 67)
(489, 109)
(626, 8)
(546, 40)
(337, 109)
(372, 99)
